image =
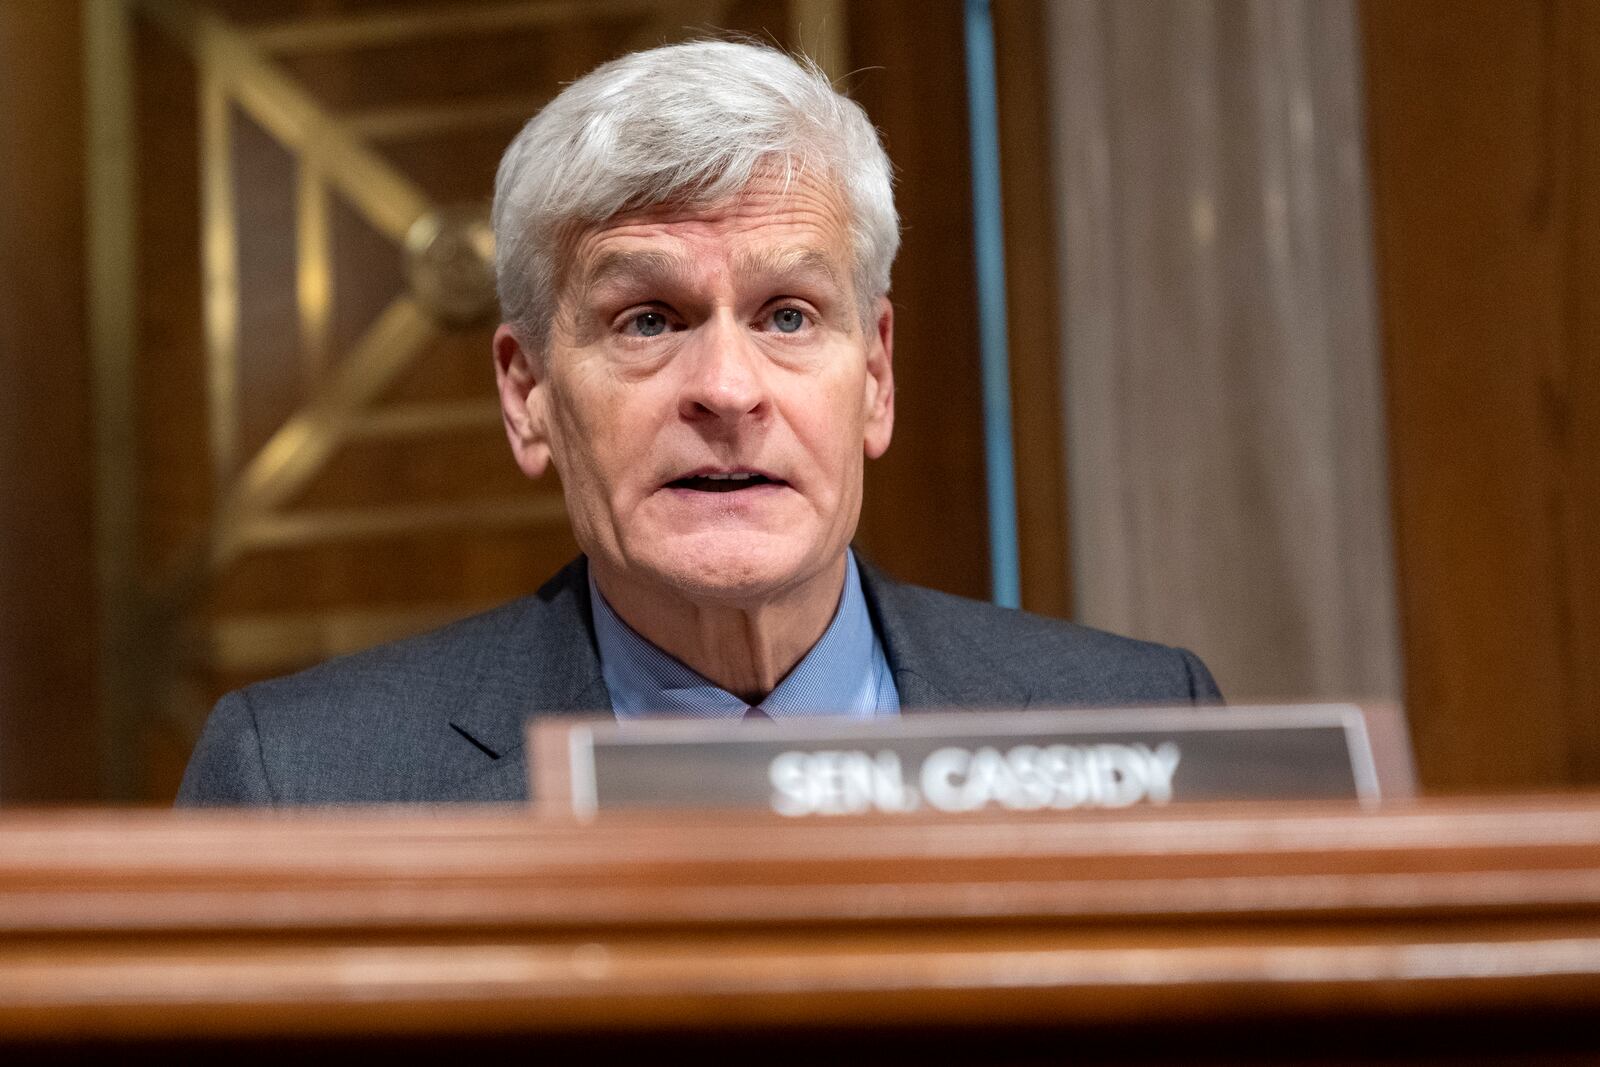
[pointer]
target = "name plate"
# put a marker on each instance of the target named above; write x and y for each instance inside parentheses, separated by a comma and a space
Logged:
(966, 761)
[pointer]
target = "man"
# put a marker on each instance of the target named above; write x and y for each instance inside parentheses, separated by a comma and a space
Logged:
(693, 253)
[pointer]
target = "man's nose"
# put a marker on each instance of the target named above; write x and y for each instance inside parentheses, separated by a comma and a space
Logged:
(725, 374)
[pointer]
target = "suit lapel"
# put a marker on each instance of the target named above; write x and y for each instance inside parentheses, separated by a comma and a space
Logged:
(543, 662)
(938, 663)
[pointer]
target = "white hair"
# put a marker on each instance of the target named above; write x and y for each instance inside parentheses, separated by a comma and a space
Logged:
(688, 123)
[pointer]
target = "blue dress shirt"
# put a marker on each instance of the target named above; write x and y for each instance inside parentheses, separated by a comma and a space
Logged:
(844, 674)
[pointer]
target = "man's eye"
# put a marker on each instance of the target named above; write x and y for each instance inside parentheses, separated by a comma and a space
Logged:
(648, 324)
(788, 320)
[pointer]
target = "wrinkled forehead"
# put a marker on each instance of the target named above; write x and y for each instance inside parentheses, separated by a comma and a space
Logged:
(775, 225)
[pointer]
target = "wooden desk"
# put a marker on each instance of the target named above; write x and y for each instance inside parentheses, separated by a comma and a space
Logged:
(1443, 932)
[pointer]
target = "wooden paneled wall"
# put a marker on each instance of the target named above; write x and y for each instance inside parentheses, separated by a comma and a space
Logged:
(1484, 126)
(923, 515)
(47, 608)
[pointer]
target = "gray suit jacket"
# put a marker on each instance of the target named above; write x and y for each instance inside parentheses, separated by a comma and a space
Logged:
(440, 717)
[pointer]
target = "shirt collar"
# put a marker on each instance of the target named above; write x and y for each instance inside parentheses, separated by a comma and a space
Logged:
(841, 675)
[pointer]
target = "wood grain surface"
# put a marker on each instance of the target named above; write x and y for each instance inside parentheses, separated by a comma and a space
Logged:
(47, 576)
(137, 926)
(1483, 139)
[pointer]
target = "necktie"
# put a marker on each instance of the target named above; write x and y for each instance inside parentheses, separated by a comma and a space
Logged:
(756, 715)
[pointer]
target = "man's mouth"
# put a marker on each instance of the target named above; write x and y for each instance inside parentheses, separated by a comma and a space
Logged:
(729, 482)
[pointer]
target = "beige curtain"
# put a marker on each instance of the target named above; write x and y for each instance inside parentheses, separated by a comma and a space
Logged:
(1222, 384)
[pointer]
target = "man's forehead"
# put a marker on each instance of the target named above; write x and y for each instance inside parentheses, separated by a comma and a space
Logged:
(774, 223)
(634, 262)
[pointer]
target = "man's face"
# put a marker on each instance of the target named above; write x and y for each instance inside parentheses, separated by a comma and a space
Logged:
(708, 394)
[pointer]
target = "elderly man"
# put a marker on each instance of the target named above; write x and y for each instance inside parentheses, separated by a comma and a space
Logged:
(693, 249)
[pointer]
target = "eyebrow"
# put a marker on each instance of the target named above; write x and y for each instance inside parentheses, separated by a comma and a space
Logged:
(789, 262)
(649, 265)
(655, 268)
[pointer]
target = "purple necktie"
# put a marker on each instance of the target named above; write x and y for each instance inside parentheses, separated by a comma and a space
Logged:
(756, 715)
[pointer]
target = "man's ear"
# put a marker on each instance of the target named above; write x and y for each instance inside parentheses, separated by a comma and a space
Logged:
(880, 382)
(523, 392)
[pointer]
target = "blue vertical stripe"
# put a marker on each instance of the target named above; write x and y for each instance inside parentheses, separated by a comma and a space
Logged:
(989, 239)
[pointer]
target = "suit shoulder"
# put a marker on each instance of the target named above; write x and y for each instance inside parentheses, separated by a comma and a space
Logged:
(428, 670)
(1006, 628)
(1053, 660)
(409, 668)
(392, 723)
(425, 718)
